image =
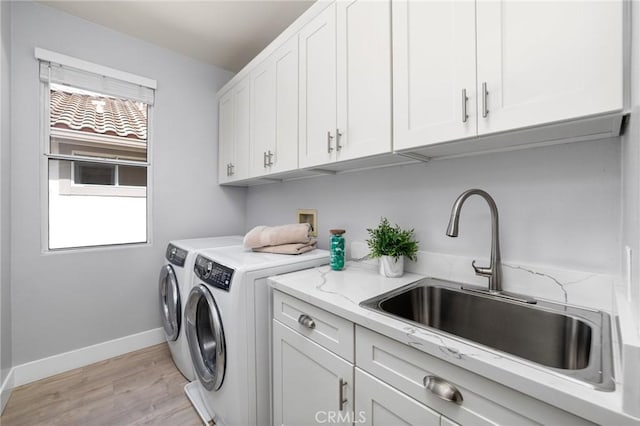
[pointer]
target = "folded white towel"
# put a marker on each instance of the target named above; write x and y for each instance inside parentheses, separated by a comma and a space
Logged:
(289, 248)
(262, 236)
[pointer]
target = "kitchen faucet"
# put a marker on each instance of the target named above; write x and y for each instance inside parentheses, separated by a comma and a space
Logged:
(493, 271)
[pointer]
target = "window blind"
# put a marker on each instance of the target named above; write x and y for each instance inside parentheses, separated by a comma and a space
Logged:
(88, 76)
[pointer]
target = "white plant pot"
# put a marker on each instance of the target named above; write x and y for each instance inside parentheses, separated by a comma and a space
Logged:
(389, 267)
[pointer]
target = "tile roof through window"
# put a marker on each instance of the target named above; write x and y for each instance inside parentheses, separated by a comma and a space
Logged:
(98, 114)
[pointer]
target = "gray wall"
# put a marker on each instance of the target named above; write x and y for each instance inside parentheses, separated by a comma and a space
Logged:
(65, 301)
(5, 179)
(558, 205)
(631, 166)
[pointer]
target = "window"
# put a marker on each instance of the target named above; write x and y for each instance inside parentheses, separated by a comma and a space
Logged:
(96, 153)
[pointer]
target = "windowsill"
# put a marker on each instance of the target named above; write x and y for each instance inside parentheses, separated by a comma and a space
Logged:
(87, 249)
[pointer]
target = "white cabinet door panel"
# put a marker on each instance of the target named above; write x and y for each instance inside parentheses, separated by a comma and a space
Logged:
(433, 62)
(241, 129)
(225, 136)
(318, 89)
(364, 78)
(378, 404)
(286, 107)
(307, 381)
(263, 117)
(550, 61)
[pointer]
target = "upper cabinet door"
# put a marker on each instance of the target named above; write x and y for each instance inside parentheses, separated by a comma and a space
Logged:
(241, 129)
(434, 74)
(225, 136)
(542, 62)
(263, 118)
(285, 149)
(318, 89)
(363, 78)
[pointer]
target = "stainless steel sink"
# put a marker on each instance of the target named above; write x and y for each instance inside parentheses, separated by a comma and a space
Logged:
(571, 341)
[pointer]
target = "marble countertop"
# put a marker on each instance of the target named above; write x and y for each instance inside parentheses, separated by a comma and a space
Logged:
(340, 292)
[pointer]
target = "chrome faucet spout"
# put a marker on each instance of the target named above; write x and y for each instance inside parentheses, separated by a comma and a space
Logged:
(492, 272)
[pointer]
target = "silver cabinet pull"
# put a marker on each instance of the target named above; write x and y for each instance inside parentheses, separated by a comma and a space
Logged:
(231, 166)
(485, 93)
(341, 394)
(270, 156)
(264, 159)
(329, 138)
(307, 321)
(443, 389)
(228, 169)
(338, 134)
(465, 116)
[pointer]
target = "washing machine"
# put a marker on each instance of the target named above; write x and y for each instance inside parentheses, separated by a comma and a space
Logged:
(227, 318)
(174, 284)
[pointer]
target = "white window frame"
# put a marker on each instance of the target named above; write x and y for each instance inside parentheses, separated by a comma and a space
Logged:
(43, 55)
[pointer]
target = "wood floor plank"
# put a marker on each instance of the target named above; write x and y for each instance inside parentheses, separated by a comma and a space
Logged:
(138, 388)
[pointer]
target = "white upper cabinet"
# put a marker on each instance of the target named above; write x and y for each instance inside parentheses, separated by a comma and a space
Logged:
(233, 133)
(537, 63)
(434, 72)
(318, 89)
(364, 78)
(544, 62)
(345, 83)
(274, 112)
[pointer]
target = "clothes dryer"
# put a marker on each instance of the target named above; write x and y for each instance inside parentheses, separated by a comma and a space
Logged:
(174, 284)
(227, 319)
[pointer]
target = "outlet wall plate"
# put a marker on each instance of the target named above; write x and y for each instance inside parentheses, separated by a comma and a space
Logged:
(309, 216)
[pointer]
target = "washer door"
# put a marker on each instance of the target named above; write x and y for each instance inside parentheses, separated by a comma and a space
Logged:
(206, 337)
(170, 308)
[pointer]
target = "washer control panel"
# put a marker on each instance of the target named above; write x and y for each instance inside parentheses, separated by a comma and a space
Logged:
(176, 255)
(213, 273)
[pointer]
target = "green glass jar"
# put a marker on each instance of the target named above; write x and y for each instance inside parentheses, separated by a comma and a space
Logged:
(336, 249)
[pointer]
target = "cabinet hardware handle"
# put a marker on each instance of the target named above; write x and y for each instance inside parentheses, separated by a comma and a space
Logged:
(228, 170)
(270, 155)
(338, 134)
(443, 389)
(307, 321)
(485, 93)
(329, 137)
(264, 159)
(341, 397)
(465, 116)
(231, 167)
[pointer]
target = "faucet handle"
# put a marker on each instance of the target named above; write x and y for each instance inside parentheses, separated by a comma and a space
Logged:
(483, 271)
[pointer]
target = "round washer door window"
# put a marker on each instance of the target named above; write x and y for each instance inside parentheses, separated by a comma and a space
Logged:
(170, 309)
(205, 335)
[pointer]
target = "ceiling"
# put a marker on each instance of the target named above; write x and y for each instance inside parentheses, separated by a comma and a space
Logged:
(225, 33)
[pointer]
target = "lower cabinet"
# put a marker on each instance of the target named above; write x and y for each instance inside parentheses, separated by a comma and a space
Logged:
(321, 362)
(311, 385)
(378, 404)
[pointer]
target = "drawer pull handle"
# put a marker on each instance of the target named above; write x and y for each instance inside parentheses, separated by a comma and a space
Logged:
(485, 93)
(443, 389)
(307, 321)
(343, 400)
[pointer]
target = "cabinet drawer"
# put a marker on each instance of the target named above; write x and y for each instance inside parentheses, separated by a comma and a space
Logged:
(483, 401)
(324, 328)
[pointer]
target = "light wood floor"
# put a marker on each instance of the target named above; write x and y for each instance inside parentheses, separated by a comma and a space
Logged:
(138, 388)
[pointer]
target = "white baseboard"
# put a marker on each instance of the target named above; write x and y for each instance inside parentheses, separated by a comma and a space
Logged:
(6, 389)
(39, 369)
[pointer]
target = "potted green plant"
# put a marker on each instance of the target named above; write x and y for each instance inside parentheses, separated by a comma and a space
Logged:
(391, 244)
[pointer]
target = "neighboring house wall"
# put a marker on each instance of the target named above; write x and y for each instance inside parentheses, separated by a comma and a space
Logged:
(559, 205)
(64, 301)
(5, 192)
(631, 169)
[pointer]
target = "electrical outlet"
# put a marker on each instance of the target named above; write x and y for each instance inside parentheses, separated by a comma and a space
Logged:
(309, 216)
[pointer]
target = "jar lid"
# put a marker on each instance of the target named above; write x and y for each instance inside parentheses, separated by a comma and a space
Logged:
(337, 231)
